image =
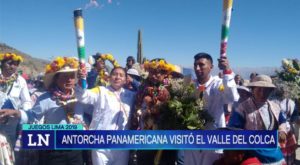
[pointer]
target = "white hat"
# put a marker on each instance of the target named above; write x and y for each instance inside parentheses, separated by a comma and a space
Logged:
(133, 72)
(243, 88)
(177, 73)
(262, 81)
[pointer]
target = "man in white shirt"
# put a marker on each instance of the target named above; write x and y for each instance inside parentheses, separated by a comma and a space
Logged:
(216, 92)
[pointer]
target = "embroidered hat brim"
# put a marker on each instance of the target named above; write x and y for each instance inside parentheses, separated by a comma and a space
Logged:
(48, 78)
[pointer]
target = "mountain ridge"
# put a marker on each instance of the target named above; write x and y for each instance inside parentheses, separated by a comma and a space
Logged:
(31, 66)
(243, 71)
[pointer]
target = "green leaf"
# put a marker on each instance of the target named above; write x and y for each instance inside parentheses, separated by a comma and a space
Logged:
(191, 127)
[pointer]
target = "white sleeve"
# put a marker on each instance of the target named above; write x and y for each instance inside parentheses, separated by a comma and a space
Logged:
(87, 96)
(230, 93)
(36, 112)
(24, 117)
(25, 97)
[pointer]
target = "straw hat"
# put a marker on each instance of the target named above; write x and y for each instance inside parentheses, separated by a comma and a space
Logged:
(48, 79)
(59, 65)
(160, 64)
(11, 56)
(177, 72)
(246, 82)
(262, 81)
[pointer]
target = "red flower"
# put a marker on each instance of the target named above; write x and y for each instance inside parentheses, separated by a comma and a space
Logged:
(201, 88)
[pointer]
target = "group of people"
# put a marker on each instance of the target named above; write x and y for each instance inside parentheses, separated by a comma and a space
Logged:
(126, 98)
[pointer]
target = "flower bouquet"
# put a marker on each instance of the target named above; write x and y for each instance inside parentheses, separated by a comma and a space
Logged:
(185, 109)
(289, 79)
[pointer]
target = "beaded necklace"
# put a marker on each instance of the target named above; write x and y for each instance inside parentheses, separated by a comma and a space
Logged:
(67, 101)
(6, 82)
(102, 79)
(61, 98)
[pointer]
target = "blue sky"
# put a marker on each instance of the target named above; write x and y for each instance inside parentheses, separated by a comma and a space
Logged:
(262, 32)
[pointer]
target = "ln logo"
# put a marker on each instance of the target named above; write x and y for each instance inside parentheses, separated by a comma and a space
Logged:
(41, 138)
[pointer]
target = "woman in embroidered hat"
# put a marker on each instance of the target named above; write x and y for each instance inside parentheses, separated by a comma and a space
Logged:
(153, 91)
(260, 113)
(14, 95)
(151, 94)
(99, 74)
(58, 106)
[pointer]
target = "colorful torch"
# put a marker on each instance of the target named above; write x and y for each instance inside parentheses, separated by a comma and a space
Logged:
(78, 20)
(227, 8)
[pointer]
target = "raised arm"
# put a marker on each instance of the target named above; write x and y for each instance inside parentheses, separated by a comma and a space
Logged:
(87, 96)
(230, 93)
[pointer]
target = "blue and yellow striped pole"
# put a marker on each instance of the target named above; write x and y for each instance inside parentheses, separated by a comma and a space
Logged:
(79, 27)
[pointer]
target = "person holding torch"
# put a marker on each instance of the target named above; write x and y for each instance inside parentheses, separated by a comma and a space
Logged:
(215, 92)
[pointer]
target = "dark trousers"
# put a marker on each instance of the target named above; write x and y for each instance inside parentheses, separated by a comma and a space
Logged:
(146, 157)
(58, 157)
(180, 157)
(27, 157)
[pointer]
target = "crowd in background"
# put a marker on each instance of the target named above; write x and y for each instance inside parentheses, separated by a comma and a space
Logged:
(129, 97)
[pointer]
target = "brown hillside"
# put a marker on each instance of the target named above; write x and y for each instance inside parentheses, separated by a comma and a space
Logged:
(31, 66)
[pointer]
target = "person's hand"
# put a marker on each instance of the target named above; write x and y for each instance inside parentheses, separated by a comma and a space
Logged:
(5, 113)
(282, 137)
(223, 63)
(135, 120)
(82, 73)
